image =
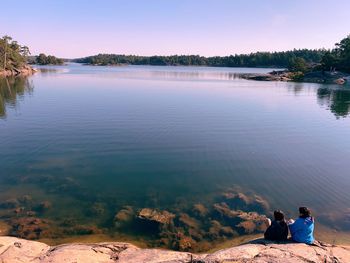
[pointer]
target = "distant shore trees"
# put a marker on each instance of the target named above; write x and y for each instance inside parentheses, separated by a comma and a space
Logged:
(42, 59)
(259, 59)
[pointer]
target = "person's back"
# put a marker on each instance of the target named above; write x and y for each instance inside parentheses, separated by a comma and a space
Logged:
(302, 230)
(278, 230)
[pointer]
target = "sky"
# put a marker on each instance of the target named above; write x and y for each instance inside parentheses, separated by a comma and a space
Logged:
(77, 28)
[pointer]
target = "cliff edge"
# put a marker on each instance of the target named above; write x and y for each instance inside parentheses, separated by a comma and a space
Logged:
(17, 250)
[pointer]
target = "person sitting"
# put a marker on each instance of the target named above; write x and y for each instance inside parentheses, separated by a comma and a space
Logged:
(302, 230)
(278, 229)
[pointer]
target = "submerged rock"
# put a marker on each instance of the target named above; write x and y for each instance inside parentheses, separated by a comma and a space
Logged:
(161, 217)
(30, 228)
(4, 228)
(187, 221)
(9, 203)
(124, 216)
(241, 201)
(43, 206)
(200, 210)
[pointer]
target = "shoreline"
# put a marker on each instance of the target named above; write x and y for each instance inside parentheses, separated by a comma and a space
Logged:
(14, 250)
(318, 77)
(24, 71)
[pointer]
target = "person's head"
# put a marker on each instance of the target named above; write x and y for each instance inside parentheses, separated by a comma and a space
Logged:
(304, 212)
(278, 214)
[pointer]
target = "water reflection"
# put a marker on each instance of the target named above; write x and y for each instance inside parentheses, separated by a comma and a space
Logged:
(11, 89)
(336, 99)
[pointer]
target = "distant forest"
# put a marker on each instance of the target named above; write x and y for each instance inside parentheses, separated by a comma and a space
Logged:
(259, 59)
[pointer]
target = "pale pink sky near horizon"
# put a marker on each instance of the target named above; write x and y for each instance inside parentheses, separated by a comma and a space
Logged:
(79, 28)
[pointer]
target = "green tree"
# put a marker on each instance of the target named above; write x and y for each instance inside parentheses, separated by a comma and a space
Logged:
(298, 65)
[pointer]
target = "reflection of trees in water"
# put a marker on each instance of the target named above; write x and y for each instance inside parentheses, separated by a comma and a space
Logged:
(337, 99)
(11, 89)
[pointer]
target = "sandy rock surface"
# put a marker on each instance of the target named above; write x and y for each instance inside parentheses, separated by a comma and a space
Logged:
(15, 250)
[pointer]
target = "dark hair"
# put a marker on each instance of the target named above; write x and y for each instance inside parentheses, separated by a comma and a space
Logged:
(304, 212)
(279, 215)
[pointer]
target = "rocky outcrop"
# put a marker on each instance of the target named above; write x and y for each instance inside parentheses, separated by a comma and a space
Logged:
(26, 70)
(312, 77)
(17, 250)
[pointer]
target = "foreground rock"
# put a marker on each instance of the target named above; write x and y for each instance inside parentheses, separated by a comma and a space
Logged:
(17, 250)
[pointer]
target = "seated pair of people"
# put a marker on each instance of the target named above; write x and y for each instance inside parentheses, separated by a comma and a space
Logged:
(301, 230)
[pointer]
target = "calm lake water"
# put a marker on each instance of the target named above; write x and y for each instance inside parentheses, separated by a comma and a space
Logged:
(91, 140)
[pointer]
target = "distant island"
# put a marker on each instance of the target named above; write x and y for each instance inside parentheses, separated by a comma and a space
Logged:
(43, 59)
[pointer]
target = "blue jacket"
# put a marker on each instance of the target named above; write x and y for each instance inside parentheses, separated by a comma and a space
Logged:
(302, 230)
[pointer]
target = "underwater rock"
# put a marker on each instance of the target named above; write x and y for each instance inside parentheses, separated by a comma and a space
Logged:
(82, 230)
(4, 228)
(124, 216)
(249, 227)
(252, 222)
(185, 243)
(9, 203)
(30, 228)
(241, 201)
(43, 206)
(217, 231)
(25, 199)
(97, 209)
(224, 210)
(187, 221)
(200, 210)
(161, 217)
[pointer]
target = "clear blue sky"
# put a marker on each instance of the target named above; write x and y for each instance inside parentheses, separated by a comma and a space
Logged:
(75, 28)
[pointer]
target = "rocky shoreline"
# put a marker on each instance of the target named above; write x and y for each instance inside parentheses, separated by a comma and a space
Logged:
(23, 71)
(17, 250)
(311, 77)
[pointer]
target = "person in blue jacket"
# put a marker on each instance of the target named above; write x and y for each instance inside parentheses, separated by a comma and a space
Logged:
(302, 229)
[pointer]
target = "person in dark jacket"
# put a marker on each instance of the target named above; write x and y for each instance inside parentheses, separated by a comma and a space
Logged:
(302, 230)
(278, 230)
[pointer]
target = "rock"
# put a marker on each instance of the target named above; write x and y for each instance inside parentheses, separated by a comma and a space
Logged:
(43, 206)
(248, 226)
(30, 228)
(4, 228)
(161, 217)
(25, 199)
(185, 243)
(9, 203)
(17, 250)
(82, 230)
(97, 209)
(241, 201)
(124, 216)
(200, 210)
(188, 222)
(224, 210)
(339, 81)
(217, 230)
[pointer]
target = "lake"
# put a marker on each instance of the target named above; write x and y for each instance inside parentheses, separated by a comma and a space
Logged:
(84, 149)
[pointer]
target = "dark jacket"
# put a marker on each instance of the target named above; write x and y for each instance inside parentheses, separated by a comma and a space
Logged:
(278, 231)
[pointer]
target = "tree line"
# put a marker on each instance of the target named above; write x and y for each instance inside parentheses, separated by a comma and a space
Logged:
(12, 55)
(332, 60)
(42, 59)
(259, 59)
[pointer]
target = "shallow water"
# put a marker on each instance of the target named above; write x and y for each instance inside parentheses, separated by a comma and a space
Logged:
(99, 138)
